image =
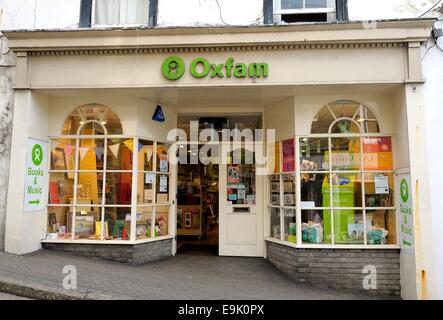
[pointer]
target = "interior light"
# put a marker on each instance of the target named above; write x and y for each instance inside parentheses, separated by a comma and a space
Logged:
(103, 122)
(361, 119)
(82, 122)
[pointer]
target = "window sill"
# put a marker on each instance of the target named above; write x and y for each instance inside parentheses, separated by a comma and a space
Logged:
(106, 242)
(332, 247)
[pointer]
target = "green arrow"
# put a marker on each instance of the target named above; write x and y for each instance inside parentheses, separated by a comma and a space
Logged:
(37, 202)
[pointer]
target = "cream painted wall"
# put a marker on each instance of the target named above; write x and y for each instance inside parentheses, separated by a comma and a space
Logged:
(280, 117)
(24, 230)
(148, 128)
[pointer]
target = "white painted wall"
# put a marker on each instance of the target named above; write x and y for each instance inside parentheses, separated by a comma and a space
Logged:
(433, 114)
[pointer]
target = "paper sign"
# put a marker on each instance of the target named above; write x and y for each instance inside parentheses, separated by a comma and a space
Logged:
(381, 184)
(149, 178)
(35, 175)
(307, 205)
(406, 212)
(163, 183)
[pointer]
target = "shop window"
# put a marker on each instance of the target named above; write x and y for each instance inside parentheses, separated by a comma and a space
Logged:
(91, 180)
(120, 12)
(345, 176)
(292, 11)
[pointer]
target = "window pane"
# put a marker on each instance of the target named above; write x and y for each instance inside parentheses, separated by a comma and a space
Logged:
(241, 184)
(144, 218)
(289, 190)
(119, 155)
(345, 153)
(290, 227)
(378, 153)
(346, 190)
(57, 224)
(145, 194)
(117, 225)
(288, 154)
(162, 157)
(379, 190)
(118, 188)
(162, 194)
(348, 226)
(145, 158)
(91, 154)
(291, 4)
(382, 228)
(162, 221)
(345, 126)
(312, 226)
(312, 187)
(61, 189)
(275, 223)
(63, 154)
(89, 188)
(313, 154)
(87, 222)
(275, 190)
(316, 3)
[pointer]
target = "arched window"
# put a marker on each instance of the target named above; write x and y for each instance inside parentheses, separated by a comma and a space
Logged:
(345, 116)
(345, 177)
(101, 180)
(99, 117)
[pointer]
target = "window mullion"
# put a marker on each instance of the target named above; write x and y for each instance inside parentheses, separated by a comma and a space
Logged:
(135, 151)
(331, 199)
(298, 219)
(105, 160)
(76, 166)
(154, 189)
(363, 190)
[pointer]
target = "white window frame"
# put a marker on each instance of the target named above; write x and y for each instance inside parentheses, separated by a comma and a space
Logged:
(134, 204)
(329, 9)
(331, 208)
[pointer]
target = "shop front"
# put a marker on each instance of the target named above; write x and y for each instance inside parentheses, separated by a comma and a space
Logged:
(291, 142)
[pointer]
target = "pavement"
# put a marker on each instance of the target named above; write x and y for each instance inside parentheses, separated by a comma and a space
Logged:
(5, 296)
(184, 277)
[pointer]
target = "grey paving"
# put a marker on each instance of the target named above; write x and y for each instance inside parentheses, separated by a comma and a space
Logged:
(6, 296)
(180, 277)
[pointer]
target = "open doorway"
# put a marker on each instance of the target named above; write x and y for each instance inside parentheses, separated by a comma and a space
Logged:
(198, 181)
(197, 209)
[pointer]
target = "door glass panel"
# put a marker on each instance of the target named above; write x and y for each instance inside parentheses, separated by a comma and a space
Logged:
(241, 177)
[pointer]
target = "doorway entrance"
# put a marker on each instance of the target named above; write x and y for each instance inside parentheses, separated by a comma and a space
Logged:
(219, 196)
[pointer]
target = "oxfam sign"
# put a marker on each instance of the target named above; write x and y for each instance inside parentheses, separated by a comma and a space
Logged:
(173, 68)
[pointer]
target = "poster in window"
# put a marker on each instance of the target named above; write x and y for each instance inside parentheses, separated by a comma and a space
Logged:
(377, 153)
(277, 157)
(288, 151)
(163, 183)
(234, 174)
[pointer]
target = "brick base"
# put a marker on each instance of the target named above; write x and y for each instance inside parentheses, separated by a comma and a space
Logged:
(125, 253)
(338, 268)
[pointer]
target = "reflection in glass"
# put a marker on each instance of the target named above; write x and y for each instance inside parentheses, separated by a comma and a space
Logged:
(145, 155)
(275, 223)
(119, 156)
(290, 226)
(382, 227)
(57, 224)
(313, 154)
(61, 189)
(91, 154)
(345, 154)
(379, 190)
(312, 226)
(118, 188)
(275, 190)
(117, 224)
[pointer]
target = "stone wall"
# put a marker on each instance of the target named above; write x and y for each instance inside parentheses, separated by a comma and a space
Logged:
(7, 72)
(338, 268)
(123, 253)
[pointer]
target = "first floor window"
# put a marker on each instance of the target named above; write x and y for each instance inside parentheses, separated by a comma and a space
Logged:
(120, 12)
(304, 10)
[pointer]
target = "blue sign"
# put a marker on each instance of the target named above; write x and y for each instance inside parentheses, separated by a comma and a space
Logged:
(158, 114)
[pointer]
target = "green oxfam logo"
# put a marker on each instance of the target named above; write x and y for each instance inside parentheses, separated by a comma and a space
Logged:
(37, 154)
(404, 190)
(173, 68)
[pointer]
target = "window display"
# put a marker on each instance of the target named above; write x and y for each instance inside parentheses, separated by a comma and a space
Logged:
(91, 177)
(241, 178)
(346, 180)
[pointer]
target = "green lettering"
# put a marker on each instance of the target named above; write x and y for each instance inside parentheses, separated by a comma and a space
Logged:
(258, 70)
(204, 63)
(217, 70)
(240, 70)
(228, 65)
